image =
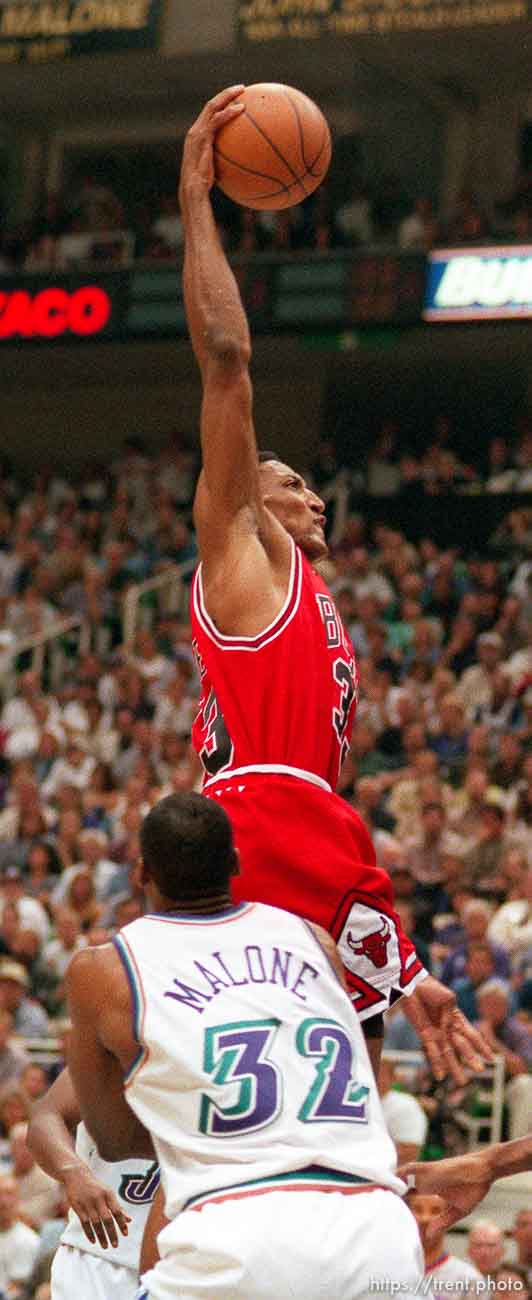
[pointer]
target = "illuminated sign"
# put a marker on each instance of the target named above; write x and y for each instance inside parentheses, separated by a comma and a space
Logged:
(266, 20)
(141, 302)
(479, 284)
(35, 31)
(54, 312)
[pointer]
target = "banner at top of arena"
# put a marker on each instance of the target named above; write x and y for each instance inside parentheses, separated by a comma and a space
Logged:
(267, 20)
(36, 31)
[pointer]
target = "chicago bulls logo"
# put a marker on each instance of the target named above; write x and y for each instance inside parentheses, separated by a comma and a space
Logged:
(374, 946)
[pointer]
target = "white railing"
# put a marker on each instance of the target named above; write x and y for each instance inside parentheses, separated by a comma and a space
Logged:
(46, 643)
(490, 1085)
(170, 583)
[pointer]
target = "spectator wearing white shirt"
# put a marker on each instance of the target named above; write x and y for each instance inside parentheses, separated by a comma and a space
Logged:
(24, 716)
(406, 1120)
(175, 710)
(511, 926)
(19, 1244)
(39, 1195)
(75, 768)
(168, 226)
(92, 844)
(58, 953)
(32, 915)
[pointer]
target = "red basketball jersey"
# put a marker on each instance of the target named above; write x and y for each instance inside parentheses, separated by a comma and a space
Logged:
(283, 699)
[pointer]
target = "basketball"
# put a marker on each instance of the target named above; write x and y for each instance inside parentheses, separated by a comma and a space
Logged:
(276, 152)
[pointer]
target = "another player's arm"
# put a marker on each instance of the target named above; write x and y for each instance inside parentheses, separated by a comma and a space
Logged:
(464, 1181)
(50, 1137)
(101, 1050)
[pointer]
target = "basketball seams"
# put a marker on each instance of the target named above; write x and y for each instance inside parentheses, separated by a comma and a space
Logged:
(300, 133)
(324, 142)
(297, 179)
(252, 171)
(294, 121)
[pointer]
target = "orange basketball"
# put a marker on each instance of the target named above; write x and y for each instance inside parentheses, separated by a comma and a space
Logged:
(276, 152)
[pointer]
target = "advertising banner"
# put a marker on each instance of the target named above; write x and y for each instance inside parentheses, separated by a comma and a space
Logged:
(36, 31)
(267, 20)
(493, 283)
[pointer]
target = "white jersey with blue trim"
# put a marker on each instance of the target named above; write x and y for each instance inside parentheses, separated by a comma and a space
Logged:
(252, 1065)
(134, 1183)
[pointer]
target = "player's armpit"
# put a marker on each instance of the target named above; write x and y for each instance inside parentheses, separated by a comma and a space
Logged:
(155, 1222)
(327, 943)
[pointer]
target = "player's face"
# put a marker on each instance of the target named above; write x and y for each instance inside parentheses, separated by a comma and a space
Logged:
(425, 1208)
(298, 509)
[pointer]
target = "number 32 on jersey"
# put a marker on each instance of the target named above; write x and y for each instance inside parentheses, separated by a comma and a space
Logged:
(237, 1057)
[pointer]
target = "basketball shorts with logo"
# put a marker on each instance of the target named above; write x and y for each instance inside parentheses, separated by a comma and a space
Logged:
(79, 1275)
(304, 849)
(290, 1244)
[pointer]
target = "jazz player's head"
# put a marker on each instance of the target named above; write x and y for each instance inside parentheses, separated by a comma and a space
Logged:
(188, 854)
(296, 507)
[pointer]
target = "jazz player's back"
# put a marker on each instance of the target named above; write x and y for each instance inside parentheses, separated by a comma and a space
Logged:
(283, 699)
(251, 1064)
(254, 1082)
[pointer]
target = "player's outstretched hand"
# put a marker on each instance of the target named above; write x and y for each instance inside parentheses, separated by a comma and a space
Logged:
(453, 1046)
(461, 1182)
(96, 1206)
(197, 166)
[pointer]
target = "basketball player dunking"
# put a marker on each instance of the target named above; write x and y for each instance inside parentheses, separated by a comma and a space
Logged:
(279, 680)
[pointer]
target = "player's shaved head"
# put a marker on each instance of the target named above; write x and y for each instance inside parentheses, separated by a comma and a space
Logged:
(187, 847)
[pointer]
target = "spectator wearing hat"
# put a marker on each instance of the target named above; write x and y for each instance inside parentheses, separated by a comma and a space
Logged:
(19, 1244)
(29, 1018)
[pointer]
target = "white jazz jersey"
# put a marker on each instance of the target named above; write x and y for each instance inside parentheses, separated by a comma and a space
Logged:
(134, 1183)
(251, 1061)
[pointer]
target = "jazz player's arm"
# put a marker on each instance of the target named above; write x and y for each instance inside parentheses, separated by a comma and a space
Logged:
(102, 1049)
(155, 1222)
(50, 1137)
(463, 1181)
(238, 537)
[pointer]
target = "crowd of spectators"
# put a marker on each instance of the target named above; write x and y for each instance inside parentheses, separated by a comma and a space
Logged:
(440, 764)
(431, 466)
(97, 221)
